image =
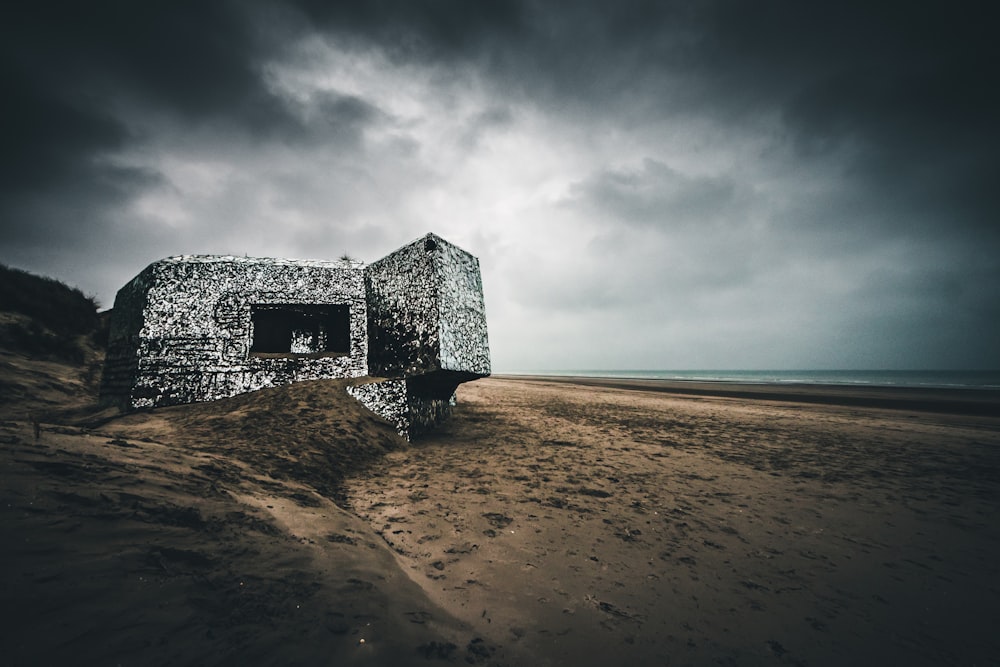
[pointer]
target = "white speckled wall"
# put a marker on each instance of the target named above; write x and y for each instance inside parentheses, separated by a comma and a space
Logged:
(183, 330)
(427, 326)
(426, 312)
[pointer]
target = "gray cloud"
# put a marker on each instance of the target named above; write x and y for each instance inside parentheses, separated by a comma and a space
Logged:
(659, 196)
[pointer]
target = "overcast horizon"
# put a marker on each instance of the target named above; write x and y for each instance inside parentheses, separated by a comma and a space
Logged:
(672, 185)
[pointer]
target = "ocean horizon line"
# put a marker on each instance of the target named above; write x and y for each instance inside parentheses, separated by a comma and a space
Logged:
(930, 378)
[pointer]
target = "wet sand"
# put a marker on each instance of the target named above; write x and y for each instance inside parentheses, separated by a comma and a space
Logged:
(551, 522)
(959, 401)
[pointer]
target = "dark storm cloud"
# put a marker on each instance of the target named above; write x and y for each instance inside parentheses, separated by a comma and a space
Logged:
(659, 196)
(907, 90)
(912, 82)
(910, 89)
(765, 145)
(339, 119)
(68, 69)
(47, 138)
(75, 76)
(65, 63)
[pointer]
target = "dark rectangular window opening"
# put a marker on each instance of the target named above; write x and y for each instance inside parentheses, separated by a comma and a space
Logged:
(300, 330)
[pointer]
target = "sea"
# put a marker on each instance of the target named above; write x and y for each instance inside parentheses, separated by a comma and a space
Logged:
(987, 380)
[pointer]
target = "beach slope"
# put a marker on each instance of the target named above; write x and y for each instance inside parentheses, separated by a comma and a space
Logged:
(549, 523)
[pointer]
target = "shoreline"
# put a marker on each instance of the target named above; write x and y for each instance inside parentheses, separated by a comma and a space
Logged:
(957, 401)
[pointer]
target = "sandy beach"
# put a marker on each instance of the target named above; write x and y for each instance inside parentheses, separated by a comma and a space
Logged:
(609, 525)
(551, 522)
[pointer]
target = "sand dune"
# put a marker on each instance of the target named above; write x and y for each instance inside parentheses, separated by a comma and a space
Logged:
(207, 535)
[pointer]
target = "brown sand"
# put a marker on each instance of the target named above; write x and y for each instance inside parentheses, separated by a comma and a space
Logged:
(205, 535)
(549, 523)
(595, 525)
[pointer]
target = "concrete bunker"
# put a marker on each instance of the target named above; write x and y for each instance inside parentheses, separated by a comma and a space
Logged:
(411, 325)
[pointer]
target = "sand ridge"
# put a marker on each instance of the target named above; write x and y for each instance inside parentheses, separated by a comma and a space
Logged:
(207, 535)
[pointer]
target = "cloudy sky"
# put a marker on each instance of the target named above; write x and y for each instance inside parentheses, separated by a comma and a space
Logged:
(649, 185)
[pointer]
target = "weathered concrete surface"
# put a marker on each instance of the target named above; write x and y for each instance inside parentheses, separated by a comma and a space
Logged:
(203, 327)
(426, 326)
(182, 330)
(395, 401)
(426, 312)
